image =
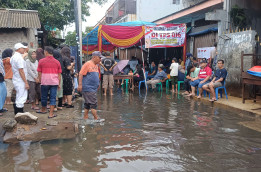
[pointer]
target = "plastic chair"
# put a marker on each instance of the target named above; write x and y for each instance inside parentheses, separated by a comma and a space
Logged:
(146, 76)
(126, 83)
(220, 91)
(204, 92)
(167, 84)
(159, 85)
(181, 82)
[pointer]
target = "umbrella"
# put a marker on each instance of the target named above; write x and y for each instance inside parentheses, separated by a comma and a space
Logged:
(120, 65)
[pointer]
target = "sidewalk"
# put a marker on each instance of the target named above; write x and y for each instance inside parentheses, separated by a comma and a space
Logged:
(249, 109)
(236, 103)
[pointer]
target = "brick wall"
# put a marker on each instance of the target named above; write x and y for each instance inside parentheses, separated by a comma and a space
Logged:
(9, 37)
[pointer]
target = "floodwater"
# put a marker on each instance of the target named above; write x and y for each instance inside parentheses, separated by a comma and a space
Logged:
(157, 132)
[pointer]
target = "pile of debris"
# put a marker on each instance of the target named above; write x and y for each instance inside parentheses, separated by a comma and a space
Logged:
(25, 127)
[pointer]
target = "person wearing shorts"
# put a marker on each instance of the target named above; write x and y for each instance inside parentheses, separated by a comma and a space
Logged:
(108, 64)
(89, 83)
(217, 81)
(174, 67)
(202, 79)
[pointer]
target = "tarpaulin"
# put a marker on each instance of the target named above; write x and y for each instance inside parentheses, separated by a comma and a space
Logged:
(214, 29)
(92, 37)
(256, 71)
(120, 36)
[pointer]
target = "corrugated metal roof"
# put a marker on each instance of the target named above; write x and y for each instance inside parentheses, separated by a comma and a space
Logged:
(10, 18)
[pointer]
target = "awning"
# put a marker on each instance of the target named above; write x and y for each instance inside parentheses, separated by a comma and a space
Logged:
(92, 37)
(215, 29)
(11, 18)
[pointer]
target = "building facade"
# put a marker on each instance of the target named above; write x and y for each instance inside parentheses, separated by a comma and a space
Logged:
(18, 26)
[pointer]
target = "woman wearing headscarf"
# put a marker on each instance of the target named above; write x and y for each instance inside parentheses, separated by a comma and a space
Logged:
(2, 88)
(67, 79)
(6, 56)
(32, 78)
(57, 55)
(39, 54)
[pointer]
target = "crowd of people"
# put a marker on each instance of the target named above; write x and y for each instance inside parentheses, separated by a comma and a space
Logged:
(48, 75)
(32, 75)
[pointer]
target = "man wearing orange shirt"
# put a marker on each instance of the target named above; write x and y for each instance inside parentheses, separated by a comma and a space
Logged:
(89, 83)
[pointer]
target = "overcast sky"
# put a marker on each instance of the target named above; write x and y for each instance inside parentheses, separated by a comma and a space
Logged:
(97, 12)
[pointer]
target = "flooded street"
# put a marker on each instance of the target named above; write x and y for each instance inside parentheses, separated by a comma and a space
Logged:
(157, 132)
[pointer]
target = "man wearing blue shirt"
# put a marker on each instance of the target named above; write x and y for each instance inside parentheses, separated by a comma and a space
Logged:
(161, 76)
(153, 70)
(217, 81)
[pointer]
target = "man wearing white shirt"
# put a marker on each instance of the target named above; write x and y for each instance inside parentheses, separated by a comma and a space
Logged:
(19, 77)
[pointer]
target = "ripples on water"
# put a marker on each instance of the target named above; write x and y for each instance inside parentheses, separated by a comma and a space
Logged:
(159, 132)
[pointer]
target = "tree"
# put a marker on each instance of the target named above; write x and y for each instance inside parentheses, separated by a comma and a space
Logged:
(70, 38)
(53, 13)
(88, 29)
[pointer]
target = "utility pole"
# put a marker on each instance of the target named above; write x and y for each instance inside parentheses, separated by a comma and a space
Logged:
(78, 25)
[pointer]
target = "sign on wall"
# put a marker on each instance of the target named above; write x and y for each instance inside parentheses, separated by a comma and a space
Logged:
(165, 35)
(205, 52)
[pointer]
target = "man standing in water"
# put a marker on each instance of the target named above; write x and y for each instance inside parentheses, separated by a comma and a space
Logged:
(108, 64)
(89, 84)
(19, 77)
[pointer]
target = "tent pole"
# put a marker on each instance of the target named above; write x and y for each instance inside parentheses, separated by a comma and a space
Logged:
(87, 49)
(143, 65)
(148, 58)
(126, 54)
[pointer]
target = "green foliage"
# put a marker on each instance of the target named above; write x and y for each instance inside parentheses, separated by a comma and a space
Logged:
(88, 29)
(238, 17)
(54, 13)
(70, 39)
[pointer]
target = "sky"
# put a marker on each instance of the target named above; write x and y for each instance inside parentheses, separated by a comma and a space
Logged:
(97, 12)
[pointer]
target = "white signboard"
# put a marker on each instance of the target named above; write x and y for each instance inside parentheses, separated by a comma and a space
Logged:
(205, 52)
(165, 35)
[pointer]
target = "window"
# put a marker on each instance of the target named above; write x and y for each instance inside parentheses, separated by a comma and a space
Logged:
(177, 2)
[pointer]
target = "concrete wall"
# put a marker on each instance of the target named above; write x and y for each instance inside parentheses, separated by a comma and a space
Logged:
(151, 10)
(253, 13)
(9, 37)
(132, 52)
(230, 47)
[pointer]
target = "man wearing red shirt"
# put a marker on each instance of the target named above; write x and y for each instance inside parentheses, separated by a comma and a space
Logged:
(49, 72)
(202, 79)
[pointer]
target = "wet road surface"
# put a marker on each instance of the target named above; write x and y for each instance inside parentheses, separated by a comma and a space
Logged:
(157, 132)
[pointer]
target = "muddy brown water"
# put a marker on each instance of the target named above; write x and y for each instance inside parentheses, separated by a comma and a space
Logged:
(157, 132)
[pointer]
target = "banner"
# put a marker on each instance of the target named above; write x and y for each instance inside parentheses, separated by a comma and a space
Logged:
(165, 35)
(205, 52)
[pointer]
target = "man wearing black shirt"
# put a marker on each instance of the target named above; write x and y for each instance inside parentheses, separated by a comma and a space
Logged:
(108, 64)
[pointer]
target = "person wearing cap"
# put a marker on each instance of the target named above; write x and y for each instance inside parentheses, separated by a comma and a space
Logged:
(161, 76)
(49, 73)
(108, 64)
(89, 83)
(202, 79)
(19, 77)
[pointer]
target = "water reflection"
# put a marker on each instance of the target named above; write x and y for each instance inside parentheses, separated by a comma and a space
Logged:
(146, 132)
